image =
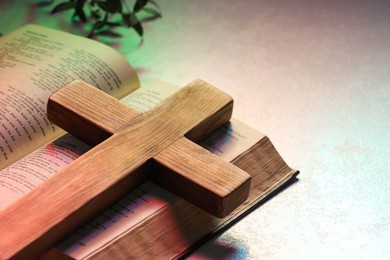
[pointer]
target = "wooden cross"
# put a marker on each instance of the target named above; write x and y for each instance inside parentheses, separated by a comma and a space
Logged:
(131, 148)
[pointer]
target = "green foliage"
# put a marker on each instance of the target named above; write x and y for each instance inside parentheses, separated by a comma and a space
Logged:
(104, 15)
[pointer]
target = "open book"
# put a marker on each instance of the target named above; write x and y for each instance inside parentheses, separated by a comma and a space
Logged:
(36, 61)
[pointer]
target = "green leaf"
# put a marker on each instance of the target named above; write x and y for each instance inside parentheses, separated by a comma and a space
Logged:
(133, 19)
(154, 3)
(116, 5)
(139, 4)
(79, 3)
(79, 12)
(62, 7)
(126, 19)
(103, 5)
(96, 26)
(96, 14)
(138, 28)
(99, 25)
(112, 6)
(152, 11)
(114, 24)
(137, 25)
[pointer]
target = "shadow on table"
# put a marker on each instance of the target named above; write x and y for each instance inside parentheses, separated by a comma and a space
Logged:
(214, 250)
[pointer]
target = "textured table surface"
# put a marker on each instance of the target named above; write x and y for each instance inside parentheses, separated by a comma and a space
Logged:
(315, 77)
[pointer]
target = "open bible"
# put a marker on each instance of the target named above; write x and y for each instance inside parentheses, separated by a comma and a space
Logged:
(34, 62)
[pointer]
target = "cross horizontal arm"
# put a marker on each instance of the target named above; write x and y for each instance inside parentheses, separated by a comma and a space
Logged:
(88, 113)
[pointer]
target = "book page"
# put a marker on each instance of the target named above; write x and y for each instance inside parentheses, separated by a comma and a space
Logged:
(149, 95)
(36, 61)
(22, 176)
(25, 174)
(231, 140)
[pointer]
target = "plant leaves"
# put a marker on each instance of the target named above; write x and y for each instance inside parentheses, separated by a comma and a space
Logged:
(154, 3)
(79, 3)
(116, 5)
(126, 19)
(139, 4)
(114, 24)
(138, 28)
(153, 12)
(79, 12)
(95, 14)
(111, 6)
(96, 26)
(100, 14)
(103, 5)
(78, 6)
(62, 7)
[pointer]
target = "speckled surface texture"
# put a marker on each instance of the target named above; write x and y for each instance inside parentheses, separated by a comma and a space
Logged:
(315, 77)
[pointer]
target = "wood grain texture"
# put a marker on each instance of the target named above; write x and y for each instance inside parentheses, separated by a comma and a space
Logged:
(104, 174)
(188, 162)
(88, 113)
(177, 228)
